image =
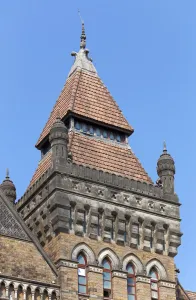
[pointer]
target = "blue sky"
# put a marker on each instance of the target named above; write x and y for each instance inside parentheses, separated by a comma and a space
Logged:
(144, 52)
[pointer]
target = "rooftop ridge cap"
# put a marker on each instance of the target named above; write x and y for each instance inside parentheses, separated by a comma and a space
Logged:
(52, 111)
(74, 93)
(112, 98)
(78, 69)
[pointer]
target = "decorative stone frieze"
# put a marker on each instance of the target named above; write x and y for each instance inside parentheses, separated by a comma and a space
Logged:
(95, 269)
(144, 279)
(67, 263)
(119, 274)
(167, 284)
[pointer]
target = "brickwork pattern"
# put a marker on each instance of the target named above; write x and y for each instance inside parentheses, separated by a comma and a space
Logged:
(22, 259)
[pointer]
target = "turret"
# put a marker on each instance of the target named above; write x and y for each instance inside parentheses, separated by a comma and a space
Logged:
(9, 188)
(59, 139)
(166, 172)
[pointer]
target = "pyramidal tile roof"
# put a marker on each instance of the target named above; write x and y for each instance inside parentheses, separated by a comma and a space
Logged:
(85, 96)
(100, 155)
(192, 295)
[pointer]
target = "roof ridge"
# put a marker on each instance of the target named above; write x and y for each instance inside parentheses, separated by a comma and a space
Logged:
(73, 95)
(27, 231)
(117, 106)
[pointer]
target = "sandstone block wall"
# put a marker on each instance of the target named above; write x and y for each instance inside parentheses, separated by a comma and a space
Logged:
(22, 259)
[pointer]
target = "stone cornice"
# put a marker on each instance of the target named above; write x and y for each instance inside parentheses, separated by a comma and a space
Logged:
(98, 176)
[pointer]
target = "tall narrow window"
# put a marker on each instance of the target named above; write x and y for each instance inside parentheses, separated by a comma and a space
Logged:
(70, 218)
(154, 284)
(125, 233)
(98, 225)
(151, 237)
(136, 231)
(107, 279)
(84, 224)
(82, 280)
(131, 282)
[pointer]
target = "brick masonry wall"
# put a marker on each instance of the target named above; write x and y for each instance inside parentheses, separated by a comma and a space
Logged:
(167, 294)
(61, 248)
(22, 259)
(143, 291)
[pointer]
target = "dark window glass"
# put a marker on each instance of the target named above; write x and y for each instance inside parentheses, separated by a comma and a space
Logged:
(131, 282)
(84, 128)
(70, 218)
(118, 138)
(77, 126)
(98, 132)
(84, 224)
(107, 278)
(82, 280)
(154, 284)
(105, 134)
(111, 136)
(91, 130)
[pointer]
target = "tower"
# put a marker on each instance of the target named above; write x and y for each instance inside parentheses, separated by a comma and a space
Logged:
(9, 188)
(111, 232)
(166, 172)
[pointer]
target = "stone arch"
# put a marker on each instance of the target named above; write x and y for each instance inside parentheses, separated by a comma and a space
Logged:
(88, 252)
(28, 293)
(53, 295)
(20, 292)
(111, 255)
(11, 291)
(2, 289)
(131, 258)
(45, 295)
(37, 295)
(158, 266)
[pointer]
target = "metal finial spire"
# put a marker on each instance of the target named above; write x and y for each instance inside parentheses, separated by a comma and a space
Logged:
(164, 147)
(83, 35)
(7, 173)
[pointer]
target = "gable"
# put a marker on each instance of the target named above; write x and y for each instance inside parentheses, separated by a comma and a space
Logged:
(9, 226)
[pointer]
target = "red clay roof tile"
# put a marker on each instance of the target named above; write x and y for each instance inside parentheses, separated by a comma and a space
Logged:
(192, 295)
(101, 155)
(86, 95)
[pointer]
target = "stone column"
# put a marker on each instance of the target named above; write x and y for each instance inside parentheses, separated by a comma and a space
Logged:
(167, 290)
(119, 285)
(68, 279)
(95, 282)
(143, 290)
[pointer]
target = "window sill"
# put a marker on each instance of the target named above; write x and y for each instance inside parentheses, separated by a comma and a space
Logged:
(83, 296)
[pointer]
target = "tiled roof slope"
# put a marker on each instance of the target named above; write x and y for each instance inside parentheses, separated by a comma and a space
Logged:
(85, 94)
(192, 295)
(100, 155)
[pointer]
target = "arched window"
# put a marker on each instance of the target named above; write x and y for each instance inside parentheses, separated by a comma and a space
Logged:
(11, 293)
(20, 294)
(107, 278)
(82, 281)
(2, 290)
(154, 284)
(28, 294)
(131, 286)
